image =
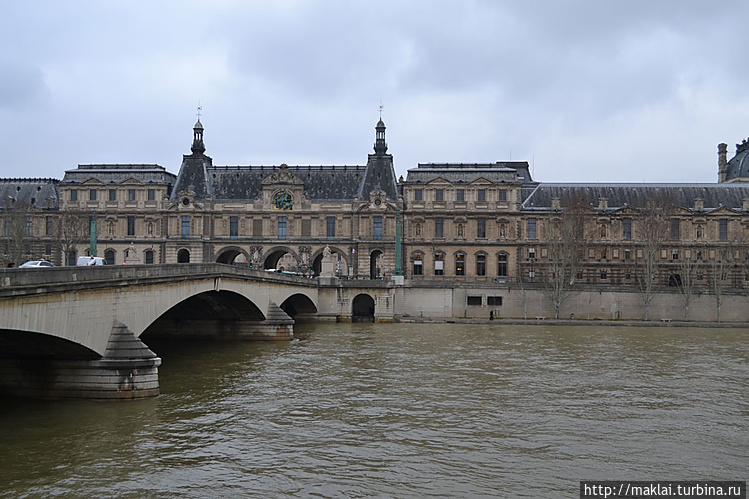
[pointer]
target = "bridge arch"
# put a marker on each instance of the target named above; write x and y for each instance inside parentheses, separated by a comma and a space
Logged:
(231, 255)
(209, 314)
(299, 306)
(363, 308)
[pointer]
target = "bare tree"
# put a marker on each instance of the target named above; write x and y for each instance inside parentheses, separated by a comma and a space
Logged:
(17, 231)
(72, 229)
(564, 241)
(652, 231)
(686, 280)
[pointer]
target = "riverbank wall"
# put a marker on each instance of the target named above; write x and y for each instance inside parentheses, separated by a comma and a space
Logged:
(443, 300)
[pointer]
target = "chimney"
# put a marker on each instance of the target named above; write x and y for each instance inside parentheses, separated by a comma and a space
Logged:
(699, 204)
(603, 203)
(556, 204)
(722, 162)
(745, 204)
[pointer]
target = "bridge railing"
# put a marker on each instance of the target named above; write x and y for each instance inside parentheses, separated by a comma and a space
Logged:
(39, 277)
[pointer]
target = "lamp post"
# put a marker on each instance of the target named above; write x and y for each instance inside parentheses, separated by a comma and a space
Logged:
(92, 243)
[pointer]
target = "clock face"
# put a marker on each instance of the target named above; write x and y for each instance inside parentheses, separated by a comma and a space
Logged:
(282, 201)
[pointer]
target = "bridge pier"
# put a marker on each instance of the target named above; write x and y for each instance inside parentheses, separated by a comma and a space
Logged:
(127, 371)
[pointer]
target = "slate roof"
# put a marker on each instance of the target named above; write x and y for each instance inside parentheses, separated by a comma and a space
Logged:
(620, 195)
(33, 191)
(501, 171)
(229, 183)
(119, 173)
(738, 166)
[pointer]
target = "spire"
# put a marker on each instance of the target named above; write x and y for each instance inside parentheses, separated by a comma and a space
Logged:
(380, 146)
(197, 138)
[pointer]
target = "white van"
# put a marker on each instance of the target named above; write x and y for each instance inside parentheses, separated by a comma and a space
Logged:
(86, 261)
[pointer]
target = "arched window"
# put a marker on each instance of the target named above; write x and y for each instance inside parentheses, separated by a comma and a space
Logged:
(502, 265)
(460, 264)
(109, 257)
(480, 264)
(183, 256)
(149, 256)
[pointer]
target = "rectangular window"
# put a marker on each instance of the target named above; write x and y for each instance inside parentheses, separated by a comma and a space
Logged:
(602, 254)
(7, 229)
(29, 226)
(130, 226)
(113, 194)
(439, 227)
(281, 227)
(460, 264)
(49, 226)
(377, 227)
(306, 228)
(502, 265)
(460, 195)
(418, 264)
(627, 228)
(474, 301)
(604, 274)
(185, 226)
(131, 194)
(531, 230)
(481, 228)
(494, 300)
(675, 229)
(152, 194)
(674, 254)
(482, 195)
(418, 194)
(74, 194)
(330, 227)
(439, 195)
(480, 264)
(723, 229)
(257, 227)
(233, 227)
(92, 195)
(503, 196)
(439, 264)
(627, 254)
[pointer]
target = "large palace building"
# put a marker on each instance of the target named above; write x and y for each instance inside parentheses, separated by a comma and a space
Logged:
(456, 222)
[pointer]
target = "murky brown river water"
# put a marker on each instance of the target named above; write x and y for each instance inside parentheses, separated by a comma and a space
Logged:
(403, 410)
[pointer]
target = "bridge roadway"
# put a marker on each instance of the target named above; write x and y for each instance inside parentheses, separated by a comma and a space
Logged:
(76, 331)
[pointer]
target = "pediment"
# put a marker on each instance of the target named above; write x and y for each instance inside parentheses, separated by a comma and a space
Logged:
(481, 181)
(282, 176)
(439, 181)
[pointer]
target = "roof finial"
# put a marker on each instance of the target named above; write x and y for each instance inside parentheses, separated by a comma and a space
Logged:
(381, 108)
(200, 108)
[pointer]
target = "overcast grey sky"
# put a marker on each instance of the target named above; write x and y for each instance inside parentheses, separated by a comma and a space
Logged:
(586, 90)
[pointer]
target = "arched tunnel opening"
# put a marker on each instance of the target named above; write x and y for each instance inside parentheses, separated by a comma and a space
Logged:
(363, 309)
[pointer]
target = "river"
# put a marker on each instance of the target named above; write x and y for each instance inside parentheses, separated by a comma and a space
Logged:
(400, 410)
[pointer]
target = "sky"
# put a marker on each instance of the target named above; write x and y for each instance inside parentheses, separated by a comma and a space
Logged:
(583, 90)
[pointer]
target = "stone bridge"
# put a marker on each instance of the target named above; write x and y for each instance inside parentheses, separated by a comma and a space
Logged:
(75, 331)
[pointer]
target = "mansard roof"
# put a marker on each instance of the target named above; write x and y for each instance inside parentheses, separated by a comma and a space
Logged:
(620, 195)
(41, 192)
(114, 173)
(501, 171)
(321, 183)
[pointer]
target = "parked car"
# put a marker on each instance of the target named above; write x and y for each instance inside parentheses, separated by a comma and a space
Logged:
(36, 264)
(85, 261)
